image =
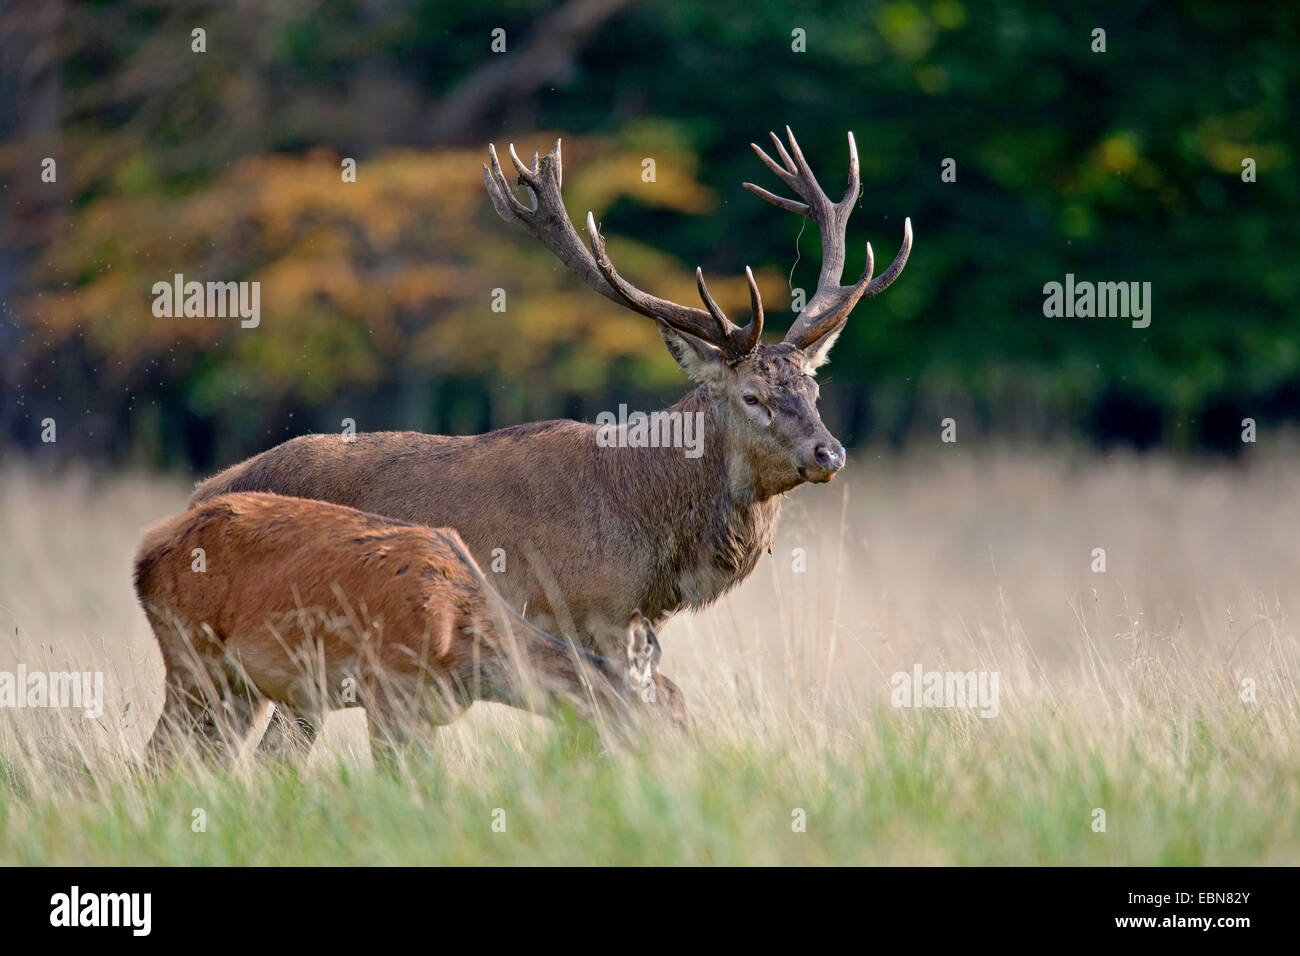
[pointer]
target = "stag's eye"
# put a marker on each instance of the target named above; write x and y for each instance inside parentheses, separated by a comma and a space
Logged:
(751, 399)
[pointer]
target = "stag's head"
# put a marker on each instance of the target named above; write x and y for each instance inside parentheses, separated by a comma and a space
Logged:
(768, 400)
(765, 394)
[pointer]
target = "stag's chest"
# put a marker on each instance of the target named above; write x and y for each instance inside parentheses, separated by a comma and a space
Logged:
(722, 553)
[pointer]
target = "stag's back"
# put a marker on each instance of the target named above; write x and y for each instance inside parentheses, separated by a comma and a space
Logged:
(536, 503)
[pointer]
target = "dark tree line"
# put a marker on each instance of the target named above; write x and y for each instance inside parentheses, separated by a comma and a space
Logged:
(1128, 165)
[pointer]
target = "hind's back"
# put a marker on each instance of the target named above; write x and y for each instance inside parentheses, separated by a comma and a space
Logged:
(244, 564)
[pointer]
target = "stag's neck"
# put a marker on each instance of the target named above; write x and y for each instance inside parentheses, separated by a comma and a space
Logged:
(726, 460)
(704, 518)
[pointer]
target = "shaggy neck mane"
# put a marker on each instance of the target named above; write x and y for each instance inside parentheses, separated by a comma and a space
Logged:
(706, 525)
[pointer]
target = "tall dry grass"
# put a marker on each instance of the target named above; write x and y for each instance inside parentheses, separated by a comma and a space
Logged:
(1120, 691)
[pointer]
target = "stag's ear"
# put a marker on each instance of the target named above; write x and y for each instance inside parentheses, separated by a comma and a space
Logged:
(700, 360)
(642, 651)
(818, 353)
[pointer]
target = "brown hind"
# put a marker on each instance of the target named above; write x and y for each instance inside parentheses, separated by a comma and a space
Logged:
(256, 597)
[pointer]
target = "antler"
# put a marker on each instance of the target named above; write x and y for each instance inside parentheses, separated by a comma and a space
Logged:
(829, 308)
(547, 219)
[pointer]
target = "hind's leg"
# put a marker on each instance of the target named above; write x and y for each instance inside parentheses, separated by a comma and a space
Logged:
(187, 651)
(185, 709)
(398, 707)
(389, 716)
(199, 712)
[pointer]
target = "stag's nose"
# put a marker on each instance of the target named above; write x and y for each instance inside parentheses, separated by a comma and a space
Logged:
(824, 459)
(829, 456)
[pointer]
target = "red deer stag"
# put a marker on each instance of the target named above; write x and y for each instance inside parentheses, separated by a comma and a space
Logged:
(299, 602)
(589, 529)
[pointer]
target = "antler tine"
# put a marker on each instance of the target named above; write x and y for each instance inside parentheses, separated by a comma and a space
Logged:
(886, 278)
(507, 205)
(754, 330)
(805, 182)
(800, 164)
(725, 325)
(786, 172)
(851, 190)
(789, 205)
(526, 173)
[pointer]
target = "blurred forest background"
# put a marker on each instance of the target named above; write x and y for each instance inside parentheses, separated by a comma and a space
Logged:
(376, 295)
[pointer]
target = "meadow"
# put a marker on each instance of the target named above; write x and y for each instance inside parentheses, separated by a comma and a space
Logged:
(1160, 690)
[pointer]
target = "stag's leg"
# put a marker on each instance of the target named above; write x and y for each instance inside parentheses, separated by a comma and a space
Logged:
(230, 720)
(290, 734)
